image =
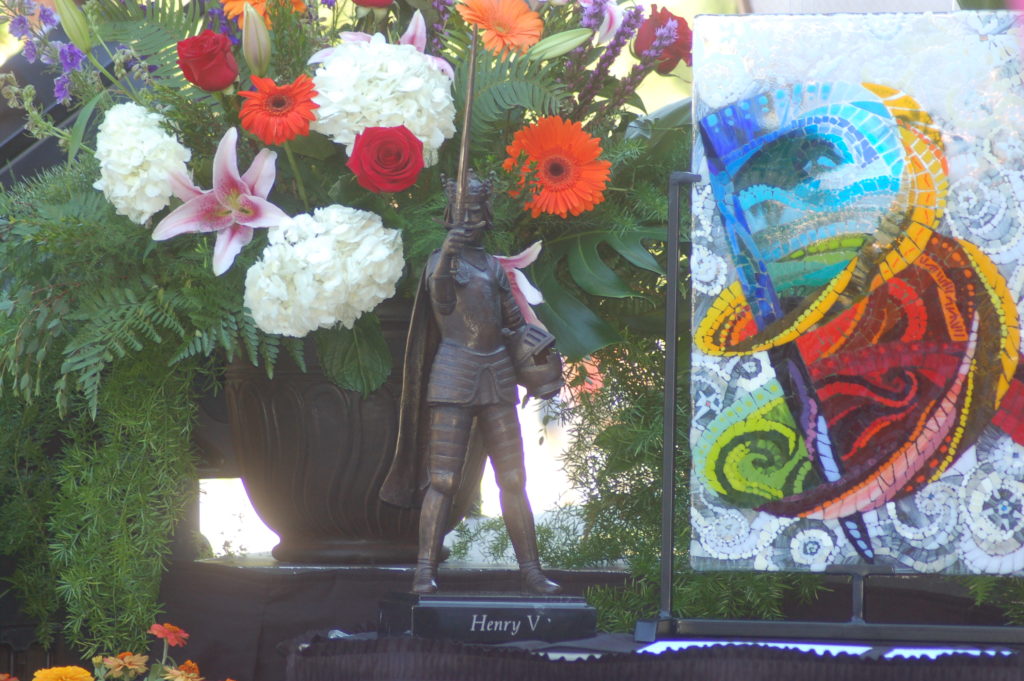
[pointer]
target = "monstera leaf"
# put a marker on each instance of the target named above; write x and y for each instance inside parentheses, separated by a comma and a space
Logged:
(356, 359)
(578, 329)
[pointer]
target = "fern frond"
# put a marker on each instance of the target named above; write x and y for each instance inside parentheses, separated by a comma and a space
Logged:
(504, 88)
(152, 31)
(114, 323)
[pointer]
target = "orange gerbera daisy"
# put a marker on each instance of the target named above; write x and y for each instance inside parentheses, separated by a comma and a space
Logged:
(567, 175)
(507, 25)
(278, 113)
(235, 9)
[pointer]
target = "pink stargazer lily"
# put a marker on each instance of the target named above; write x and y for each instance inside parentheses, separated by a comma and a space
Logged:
(235, 206)
(525, 293)
(415, 35)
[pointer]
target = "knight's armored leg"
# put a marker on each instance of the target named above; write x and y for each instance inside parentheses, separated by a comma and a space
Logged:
(501, 433)
(449, 435)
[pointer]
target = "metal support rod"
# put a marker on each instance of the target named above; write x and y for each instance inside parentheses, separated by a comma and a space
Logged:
(668, 467)
(857, 594)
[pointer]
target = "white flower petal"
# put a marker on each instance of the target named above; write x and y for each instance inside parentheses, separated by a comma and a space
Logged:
(138, 161)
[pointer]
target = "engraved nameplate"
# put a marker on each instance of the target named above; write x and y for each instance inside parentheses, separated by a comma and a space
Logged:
(488, 618)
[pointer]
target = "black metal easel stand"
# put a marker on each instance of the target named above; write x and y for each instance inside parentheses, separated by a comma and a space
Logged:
(855, 630)
(665, 626)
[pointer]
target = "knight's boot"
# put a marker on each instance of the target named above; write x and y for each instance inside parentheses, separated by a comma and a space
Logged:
(534, 580)
(433, 515)
(424, 580)
(519, 522)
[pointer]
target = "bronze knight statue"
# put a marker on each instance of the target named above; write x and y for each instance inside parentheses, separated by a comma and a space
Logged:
(468, 346)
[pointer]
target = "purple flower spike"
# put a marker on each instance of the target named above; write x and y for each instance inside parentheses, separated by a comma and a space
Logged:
(71, 58)
(329, 3)
(438, 30)
(49, 55)
(634, 16)
(61, 90)
(593, 13)
(30, 51)
(220, 22)
(19, 27)
(47, 18)
(663, 37)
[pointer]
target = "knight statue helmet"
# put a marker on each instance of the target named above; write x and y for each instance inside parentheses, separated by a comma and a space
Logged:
(476, 200)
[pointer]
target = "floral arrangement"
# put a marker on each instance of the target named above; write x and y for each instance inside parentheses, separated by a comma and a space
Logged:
(128, 665)
(247, 179)
(361, 101)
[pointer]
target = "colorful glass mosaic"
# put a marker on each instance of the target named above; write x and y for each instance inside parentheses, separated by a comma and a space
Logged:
(858, 277)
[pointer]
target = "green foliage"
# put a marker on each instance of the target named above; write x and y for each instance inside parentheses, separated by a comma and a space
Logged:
(598, 270)
(124, 481)
(86, 287)
(1006, 593)
(505, 88)
(29, 435)
(356, 359)
(615, 460)
(102, 335)
(153, 30)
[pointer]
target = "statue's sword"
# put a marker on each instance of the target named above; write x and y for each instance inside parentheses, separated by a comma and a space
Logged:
(458, 213)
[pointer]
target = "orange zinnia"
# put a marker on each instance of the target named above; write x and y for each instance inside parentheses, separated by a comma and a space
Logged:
(175, 636)
(568, 175)
(507, 25)
(278, 113)
(235, 9)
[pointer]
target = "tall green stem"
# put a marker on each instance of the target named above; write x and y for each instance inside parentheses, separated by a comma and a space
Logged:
(297, 174)
(130, 91)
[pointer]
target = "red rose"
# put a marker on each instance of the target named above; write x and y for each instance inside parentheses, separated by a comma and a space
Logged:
(207, 62)
(376, 4)
(386, 159)
(680, 49)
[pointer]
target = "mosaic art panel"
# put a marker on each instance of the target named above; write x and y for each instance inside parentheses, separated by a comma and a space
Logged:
(858, 281)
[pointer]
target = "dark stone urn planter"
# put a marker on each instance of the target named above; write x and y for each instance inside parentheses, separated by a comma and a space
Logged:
(313, 457)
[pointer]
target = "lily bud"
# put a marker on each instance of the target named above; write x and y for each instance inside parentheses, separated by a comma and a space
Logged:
(559, 44)
(75, 24)
(255, 42)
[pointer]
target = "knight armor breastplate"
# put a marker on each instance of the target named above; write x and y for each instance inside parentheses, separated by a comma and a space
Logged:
(472, 366)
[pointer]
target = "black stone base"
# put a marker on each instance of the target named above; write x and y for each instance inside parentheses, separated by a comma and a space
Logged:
(322, 551)
(487, 618)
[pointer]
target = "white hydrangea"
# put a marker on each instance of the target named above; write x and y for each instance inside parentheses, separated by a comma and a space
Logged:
(377, 84)
(323, 269)
(136, 159)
